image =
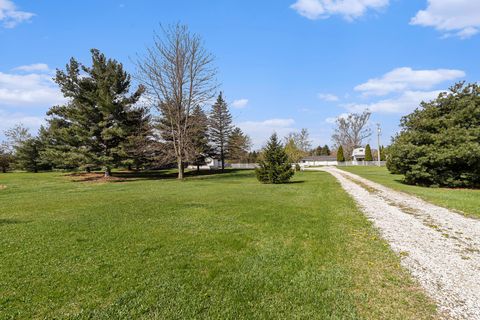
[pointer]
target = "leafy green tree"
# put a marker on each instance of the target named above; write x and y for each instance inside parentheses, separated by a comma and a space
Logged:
(368, 153)
(294, 153)
(93, 127)
(220, 123)
(238, 145)
(340, 156)
(439, 143)
(275, 166)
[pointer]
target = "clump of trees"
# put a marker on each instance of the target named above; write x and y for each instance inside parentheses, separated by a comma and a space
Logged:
(274, 167)
(297, 145)
(321, 151)
(106, 123)
(439, 144)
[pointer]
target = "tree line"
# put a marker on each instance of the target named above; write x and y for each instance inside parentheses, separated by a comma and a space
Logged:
(106, 123)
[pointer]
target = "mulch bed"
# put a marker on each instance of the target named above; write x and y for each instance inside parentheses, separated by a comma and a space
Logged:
(92, 177)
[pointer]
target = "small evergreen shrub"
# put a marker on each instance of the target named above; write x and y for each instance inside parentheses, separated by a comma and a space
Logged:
(274, 167)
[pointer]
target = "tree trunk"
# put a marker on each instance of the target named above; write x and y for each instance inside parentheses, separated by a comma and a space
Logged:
(180, 168)
(129, 167)
(108, 172)
(198, 169)
(87, 169)
(222, 159)
(4, 169)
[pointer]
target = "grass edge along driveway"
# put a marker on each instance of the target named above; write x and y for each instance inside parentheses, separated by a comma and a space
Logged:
(464, 201)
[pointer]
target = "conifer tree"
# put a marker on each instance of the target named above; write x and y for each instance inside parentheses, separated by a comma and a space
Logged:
(6, 157)
(274, 167)
(27, 155)
(325, 150)
(201, 148)
(238, 145)
(340, 156)
(368, 153)
(92, 128)
(220, 123)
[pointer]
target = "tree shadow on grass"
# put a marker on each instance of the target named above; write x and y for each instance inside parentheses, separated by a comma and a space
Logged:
(4, 222)
(130, 176)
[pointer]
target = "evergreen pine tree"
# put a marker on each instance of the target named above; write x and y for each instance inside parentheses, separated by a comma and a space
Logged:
(274, 166)
(6, 157)
(325, 150)
(340, 156)
(220, 123)
(238, 145)
(200, 139)
(27, 155)
(368, 153)
(94, 126)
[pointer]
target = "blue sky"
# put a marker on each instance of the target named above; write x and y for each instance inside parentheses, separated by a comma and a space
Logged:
(283, 64)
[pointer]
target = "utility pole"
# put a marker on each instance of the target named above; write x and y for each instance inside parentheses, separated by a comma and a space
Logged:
(379, 131)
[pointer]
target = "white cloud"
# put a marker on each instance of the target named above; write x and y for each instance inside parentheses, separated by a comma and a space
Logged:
(328, 97)
(9, 120)
(402, 79)
(349, 9)
(452, 17)
(260, 131)
(240, 103)
(32, 89)
(333, 120)
(33, 67)
(405, 103)
(10, 16)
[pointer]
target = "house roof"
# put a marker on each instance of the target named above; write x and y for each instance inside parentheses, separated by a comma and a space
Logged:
(320, 158)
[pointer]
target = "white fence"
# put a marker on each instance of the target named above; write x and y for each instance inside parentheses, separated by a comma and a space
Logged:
(243, 165)
(362, 163)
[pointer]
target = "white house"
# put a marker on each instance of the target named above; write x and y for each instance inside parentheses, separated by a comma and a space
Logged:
(314, 161)
(358, 154)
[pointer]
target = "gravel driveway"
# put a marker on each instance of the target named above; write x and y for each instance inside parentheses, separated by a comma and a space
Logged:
(441, 248)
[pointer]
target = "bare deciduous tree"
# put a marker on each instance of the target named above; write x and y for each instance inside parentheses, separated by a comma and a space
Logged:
(179, 75)
(351, 131)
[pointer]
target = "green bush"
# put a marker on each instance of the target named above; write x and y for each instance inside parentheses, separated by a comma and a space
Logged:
(439, 144)
(274, 166)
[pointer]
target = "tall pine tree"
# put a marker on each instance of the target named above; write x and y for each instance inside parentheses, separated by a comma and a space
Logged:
(368, 153)
(201, 148)
(93, 128)
(275, 166)
(220, 123)
(340, 155)
(238, 145)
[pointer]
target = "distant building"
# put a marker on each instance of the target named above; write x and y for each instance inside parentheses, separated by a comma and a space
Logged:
(314, 161)
(358, 154)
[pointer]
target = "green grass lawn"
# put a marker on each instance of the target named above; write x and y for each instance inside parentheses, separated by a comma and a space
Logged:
(465, 200)
(212, 247)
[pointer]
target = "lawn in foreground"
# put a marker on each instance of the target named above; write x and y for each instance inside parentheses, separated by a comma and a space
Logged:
(465, 200)
(220, 246)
